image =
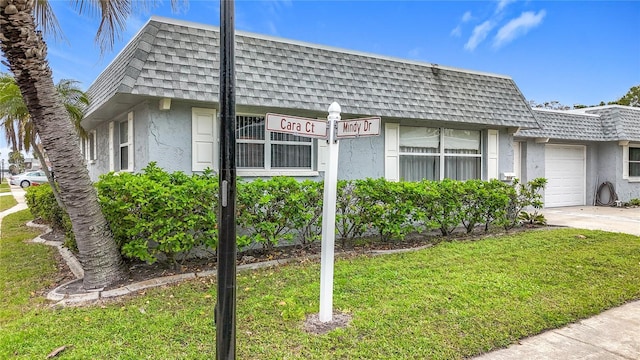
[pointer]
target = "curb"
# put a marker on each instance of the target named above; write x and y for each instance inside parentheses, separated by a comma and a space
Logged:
(62, 298)
(67, 255)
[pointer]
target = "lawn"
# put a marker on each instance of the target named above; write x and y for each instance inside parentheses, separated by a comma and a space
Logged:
(454, 300)
(7, 202)
(4, 186)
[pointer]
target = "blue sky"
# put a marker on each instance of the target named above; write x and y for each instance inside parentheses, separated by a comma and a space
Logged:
(574, 52)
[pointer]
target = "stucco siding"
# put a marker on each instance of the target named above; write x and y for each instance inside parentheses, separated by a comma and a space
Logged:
(140, 136)
(169, 137)
(505, 157)
(592, 171)
(101, 164)
(361, 158)
(533, 166)
(611, 169)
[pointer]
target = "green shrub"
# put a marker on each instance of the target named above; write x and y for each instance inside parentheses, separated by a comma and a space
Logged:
(523, 196)
(308, 217)
(496, 200)
(43, 205)
(446, 210)
(155, 212)
(268, 211)
(349, 213)
(386, 207)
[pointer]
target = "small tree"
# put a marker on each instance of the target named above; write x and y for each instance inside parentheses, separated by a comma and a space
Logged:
(525, 195)
(17, 159)
(631, 98)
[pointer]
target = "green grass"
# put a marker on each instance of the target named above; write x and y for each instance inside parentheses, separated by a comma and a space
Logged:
(4, 186)
(451, 301)
(7, 202)
(25, 269)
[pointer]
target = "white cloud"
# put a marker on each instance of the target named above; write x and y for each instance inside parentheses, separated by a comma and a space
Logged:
(518, 27)
(457, 31)
(276, 6)
(503, 4)
(480, 33)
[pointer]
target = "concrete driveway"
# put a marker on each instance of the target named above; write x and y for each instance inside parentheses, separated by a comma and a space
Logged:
(605, 218)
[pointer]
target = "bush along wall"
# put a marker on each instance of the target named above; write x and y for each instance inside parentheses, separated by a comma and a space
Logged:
(42, 205)
(157, 215)
(154, 212)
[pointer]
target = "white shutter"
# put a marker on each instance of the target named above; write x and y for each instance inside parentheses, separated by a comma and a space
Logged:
(517, 159)
(392, 151)
(203, 136)
(111, 149)
(492, 154)
(130, 141)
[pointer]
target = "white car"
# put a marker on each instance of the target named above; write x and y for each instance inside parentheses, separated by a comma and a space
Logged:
(29, 178)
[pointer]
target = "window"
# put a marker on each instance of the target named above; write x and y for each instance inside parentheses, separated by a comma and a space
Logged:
(257, 148)
(123, 136)
(121, 145)
(634, 160)
(437, 153)
(89, 146)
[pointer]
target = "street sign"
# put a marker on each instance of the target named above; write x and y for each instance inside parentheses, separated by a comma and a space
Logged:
(353, 128)
(297, 125)
(332, 129)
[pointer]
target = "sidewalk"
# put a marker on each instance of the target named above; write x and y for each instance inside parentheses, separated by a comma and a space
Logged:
(613, 334)
(18, 194)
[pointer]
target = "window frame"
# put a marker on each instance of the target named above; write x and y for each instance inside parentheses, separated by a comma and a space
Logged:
(441, 154)
(123, 144)
(267, 142)
(626, 155)
(89, 149)
(116, 145)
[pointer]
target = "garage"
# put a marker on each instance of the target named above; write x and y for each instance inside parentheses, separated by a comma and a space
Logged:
(566, 175)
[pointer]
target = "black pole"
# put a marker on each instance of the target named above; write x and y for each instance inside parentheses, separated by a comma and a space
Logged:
(226, 305)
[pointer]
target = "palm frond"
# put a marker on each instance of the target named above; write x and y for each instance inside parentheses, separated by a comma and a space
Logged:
(46, 19)
(114, 14)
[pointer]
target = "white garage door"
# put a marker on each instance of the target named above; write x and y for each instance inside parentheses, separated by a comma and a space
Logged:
(565, 173)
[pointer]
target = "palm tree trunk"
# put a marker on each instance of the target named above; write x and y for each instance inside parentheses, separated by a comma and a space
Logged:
(25, 51)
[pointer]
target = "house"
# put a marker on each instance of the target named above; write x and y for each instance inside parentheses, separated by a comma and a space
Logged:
(578, 150)
(157, 101)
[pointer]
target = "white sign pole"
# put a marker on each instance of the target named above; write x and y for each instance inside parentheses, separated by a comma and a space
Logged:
(329, 219)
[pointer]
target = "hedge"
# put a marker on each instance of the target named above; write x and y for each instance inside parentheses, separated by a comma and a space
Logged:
(157, 215)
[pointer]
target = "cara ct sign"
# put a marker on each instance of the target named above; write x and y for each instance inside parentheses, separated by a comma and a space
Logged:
(297, 125)
(331, 130)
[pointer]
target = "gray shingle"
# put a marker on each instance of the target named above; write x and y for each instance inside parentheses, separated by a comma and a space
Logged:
(623, 122)
(603, 123)
(287, 74)
(565, 125)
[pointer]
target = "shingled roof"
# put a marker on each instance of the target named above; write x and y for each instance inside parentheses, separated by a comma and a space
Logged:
(622, 122)
(603, 123)
(179, 60)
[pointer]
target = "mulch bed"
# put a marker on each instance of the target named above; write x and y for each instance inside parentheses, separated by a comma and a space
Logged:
(140, 271)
